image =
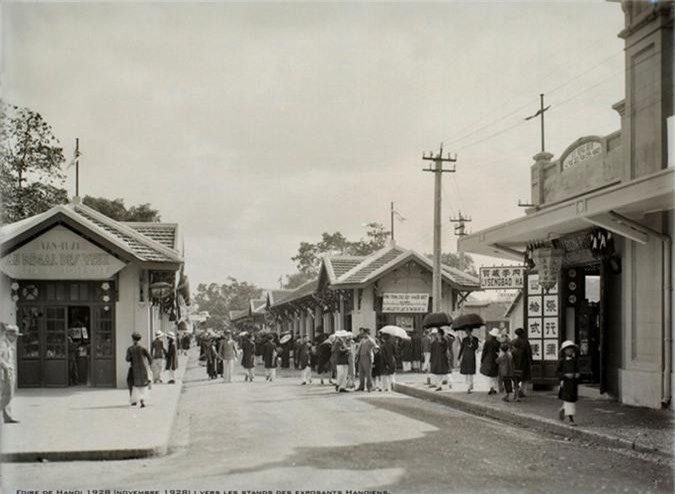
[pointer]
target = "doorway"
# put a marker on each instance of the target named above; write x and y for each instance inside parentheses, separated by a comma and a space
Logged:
(79, 344)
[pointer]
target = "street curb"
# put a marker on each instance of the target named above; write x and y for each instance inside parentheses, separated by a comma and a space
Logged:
(104, 454)
(530, 421)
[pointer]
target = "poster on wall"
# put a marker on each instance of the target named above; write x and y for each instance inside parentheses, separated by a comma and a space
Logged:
(405, 322)
(405, 302)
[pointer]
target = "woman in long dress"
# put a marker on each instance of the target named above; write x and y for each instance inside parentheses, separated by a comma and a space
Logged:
(140, 361)
(467, 357)
(440, 362)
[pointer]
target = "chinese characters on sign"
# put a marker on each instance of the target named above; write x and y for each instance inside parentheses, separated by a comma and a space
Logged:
(405, 302)
(542, 319)
(502, 278)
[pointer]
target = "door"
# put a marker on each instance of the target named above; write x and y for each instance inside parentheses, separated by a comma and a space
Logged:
(55, 358)
(103, 347)
(29, 347)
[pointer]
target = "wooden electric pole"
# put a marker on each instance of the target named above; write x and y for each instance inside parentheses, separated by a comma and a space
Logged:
(77, 167)
(540, 113)
(438, 170)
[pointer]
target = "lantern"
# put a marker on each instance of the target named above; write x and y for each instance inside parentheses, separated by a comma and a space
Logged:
(160, 290)
(548, 262)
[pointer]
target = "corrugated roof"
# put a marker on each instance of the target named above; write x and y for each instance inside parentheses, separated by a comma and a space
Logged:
(164, 233)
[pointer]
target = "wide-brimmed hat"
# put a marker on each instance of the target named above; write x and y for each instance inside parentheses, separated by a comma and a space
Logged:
(365, 330)
(567, 344)
(159, 334)
(495, 332)
(433, 331)
(171, 335)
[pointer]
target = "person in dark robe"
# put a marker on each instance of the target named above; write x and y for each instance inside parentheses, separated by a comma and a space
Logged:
(304, 354)
(568, 372)
(248, 351)
(185, 342)
(488, 359)
(377, 365)
(406, 354)
(425, 345)
(171, 357)
(388, 356)
(324, 359)
(73, 371)
(211, 356)
(158, 354)
(522, 360)
(297, 343)
(270, 352)
(467, 358)
(416, 351)
(140, 361)
(440, 362)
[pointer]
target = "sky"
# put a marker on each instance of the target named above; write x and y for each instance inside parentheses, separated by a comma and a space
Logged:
(257, 126)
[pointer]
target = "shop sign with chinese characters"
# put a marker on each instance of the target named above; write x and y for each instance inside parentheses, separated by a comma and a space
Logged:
(405, 302)
(542, 319)
(502, 278)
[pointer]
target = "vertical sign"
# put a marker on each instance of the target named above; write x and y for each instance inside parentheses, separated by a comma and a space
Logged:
(542, 319)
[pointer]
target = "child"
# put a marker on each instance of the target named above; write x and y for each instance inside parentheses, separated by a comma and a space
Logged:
(568, 371)
(505, 367)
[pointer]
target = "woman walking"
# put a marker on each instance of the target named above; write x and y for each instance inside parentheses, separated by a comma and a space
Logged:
(488, 359)
(305, 360)
(440, 360)
(522, 360)
(171, 358)
(227, 353)
(158, 353)
(568, 371)
(467, 358)
(247, 356)
(270, 358)
(388, 356)
(140, 361)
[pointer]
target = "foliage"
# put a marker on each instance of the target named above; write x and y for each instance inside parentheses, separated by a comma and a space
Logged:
(308, 258)
(461, 261)
(296, 279)
(31, 161)
(116, 209)
(219, 300)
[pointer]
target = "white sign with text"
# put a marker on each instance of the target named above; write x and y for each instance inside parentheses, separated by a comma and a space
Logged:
(405, 302)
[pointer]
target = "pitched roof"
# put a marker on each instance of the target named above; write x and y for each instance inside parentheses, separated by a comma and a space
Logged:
(235, 315)
(122, 236)
(164, 233)
(362, 271)
(275, 294)
(302, 291)
(514, 304)
(257, 306)
(337, 266)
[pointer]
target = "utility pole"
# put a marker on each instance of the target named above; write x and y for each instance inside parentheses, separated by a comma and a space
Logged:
(540, 113)
(77, 167)
(438, 171)
(460, 228)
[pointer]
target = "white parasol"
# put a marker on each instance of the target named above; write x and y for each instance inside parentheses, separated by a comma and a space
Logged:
(395, 331)
(343, 334)
(285, 339)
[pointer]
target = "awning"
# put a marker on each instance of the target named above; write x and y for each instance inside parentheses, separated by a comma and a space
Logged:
(618, 209)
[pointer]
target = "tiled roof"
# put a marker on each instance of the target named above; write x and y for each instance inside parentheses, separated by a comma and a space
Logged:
(460, 277)
(302, 291)
(370, 264)
(164, 233)
(276, 294)
(342, 264)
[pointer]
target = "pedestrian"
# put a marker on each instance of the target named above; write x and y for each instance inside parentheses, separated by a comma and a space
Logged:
(341, 354)
(377, 365)
(416, 351)
(211, 354)
(388, 356)
(522, 360)
(324, 353)
(440, 360)
(505, 369)
(158, 353)
(73, 371)
(304, 357)
(568, 371)
(247, 355)
(227, 353)
(270, 353)
(140, 361)
(8, 336)
(488, 359)
(171, 357)
(365, 357)
(467, 358)
(503, 339)
(185, 342)
(425, 344)
(406, 355)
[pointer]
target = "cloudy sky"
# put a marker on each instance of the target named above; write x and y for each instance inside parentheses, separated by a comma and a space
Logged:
(257, 126)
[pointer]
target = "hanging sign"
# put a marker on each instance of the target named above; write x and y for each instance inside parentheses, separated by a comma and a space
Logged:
(502, 278)
(405, 302)
(60, 254)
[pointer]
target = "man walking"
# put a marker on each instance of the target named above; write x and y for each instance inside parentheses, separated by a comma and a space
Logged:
(171, 358)
(365, 355)
(228, 354)
(158, 353)
(426, 351)
(8, 337)
(341, 351)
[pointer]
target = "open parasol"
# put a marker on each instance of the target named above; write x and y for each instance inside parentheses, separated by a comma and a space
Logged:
(285, 339)
(437, 320)
(467, 321)
(343, 334)
(395, 331)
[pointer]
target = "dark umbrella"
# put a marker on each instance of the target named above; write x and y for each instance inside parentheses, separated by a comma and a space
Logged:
(468, 321)
(436, 320)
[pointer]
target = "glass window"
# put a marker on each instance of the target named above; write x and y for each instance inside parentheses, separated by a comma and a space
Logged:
(29, 324)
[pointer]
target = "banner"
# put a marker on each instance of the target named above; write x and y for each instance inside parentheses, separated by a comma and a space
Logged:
(405, 302)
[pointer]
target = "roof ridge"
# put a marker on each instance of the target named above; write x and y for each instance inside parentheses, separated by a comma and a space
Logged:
(367, 260)
(129, 231)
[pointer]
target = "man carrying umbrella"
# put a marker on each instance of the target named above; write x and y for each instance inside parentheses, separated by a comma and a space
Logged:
(364, 356)
(440, 359)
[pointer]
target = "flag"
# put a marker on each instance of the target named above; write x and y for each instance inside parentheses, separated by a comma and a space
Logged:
(76, 155)
(399, 216)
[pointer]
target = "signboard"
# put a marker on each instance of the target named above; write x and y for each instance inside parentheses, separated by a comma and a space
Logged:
(405, 302)
(543, 313)
(502, 278)
(582, 153)
(60, 254)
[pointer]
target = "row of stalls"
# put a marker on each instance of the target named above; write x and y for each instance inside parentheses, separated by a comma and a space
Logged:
(78, 284)
(597, 242)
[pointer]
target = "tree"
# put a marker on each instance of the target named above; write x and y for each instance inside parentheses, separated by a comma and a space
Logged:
(31, 159)
(116, 209)
(219, 300)
(308, 258)
(461, 261)
(296, 279)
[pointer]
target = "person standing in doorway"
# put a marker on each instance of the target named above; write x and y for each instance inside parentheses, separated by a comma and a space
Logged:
(140, 360)
(227, 352)
(365, 356)
(247, 355)
(158, 353)
(8, 336)
(388, 356)
(467, 358)
(171, 357)
(425, 344)
(488, 359)
(568, 371)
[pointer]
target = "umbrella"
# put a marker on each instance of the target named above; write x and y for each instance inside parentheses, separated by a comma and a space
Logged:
(395, 331)
(285, 339)
(436, 320)
(468, 321)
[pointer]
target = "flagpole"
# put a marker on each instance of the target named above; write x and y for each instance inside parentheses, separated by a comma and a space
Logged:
(392, 221)
(77, 167)
(541, 98)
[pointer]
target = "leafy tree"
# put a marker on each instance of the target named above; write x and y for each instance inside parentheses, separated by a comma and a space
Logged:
(296, 279)
(461, 261)
(31, 159)
(219, 300)
(116, 209)
(308, 258)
